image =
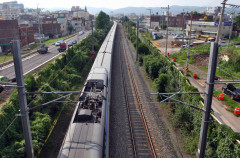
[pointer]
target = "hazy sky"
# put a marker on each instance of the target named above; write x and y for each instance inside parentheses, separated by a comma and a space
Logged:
(114, 4)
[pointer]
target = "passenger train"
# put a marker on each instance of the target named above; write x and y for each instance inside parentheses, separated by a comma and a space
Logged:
(87, 135)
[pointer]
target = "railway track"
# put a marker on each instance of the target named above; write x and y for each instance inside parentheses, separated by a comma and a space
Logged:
(141, 141)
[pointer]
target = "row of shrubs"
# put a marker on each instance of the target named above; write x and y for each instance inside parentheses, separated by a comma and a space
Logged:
(65, 74)
(221, 140)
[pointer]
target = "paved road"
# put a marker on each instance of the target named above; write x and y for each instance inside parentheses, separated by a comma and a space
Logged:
(33, 61)
(220, 112)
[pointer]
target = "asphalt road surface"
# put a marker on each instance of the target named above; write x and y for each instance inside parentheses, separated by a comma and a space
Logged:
(35, 60)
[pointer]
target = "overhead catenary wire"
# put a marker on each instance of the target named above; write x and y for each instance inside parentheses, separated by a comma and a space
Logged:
(8, 127)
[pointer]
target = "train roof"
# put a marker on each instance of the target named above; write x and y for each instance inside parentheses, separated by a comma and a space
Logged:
(83, 141)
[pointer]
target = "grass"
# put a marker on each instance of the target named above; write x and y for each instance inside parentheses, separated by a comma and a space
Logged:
(227, 100)
(51, 41)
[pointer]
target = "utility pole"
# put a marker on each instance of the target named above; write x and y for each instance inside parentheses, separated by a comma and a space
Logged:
(92, 38)
(208, 99)
(183, 27)
(128, 28)
(150, 11)
(167, 28)
(150, 26)
(137, 39)
(220, 21)
(230, 33)
(22, 98)
(39, 29)
(189, 40)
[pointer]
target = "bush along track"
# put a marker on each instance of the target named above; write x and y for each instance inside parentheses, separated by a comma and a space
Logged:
(64, 75)
(221, 140)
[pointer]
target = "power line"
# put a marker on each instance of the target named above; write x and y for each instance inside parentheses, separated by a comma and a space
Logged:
(8, 127)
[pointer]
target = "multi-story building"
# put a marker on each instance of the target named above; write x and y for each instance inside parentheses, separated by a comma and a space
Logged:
(213, 10)
(175, 21)
(208, 28)
(26, 35)
(11, 10)
(51, 29)
(9, 31)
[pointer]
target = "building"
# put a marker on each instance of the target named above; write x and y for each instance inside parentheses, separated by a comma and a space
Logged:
(157, 20)
(51, 29)
(9, 31)
(214, 10)
(64, 25)
(26, 35)
(11, 10)
(208, 28)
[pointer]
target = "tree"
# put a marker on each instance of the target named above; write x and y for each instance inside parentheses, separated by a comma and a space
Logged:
(143, 49)
(102, 21)
(163, 26)
(124, 19)
(238, 20)
(70, 28)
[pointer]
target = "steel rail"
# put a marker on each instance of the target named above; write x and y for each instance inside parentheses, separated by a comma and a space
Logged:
(139, 102)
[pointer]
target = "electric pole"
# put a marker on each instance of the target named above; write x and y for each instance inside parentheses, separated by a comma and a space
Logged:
(208, 99)
(150, 25)
(22, 97)
(220, 21)
(183, 27)
(189, 40)
(150, 11)
(230, 33)
(137, 39)
(128, 28)
(39, 29)
(167, 28)
(92, 38)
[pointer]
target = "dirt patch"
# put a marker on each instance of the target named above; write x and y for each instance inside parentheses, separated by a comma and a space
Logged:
(5, 95)
(201, 59)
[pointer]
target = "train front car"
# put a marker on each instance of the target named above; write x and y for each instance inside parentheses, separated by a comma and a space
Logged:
(89, 124)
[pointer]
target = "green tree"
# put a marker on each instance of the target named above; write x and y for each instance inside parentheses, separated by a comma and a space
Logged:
(70, 28)
(143, 49)
(102, 21)
(162, 82)
(238, 20)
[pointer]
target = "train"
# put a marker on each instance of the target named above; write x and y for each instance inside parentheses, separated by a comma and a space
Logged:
(88, 132)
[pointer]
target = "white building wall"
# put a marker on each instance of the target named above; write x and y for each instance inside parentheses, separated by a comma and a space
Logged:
(208, 28)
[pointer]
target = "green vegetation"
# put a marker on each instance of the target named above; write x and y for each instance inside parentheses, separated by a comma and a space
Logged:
(221, 140)
(102, 21)
(238, 20)
(64, 74)
(51, 41)
(70, 28)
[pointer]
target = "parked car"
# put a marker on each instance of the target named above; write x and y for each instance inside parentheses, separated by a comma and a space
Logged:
(57, 43)
(74, 41)
(232, 91)
(4, 79)
(81, 32)
(70, 44)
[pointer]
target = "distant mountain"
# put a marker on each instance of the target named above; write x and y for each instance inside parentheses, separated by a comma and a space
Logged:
(143, 10)
(175, 9)
(95, 11)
